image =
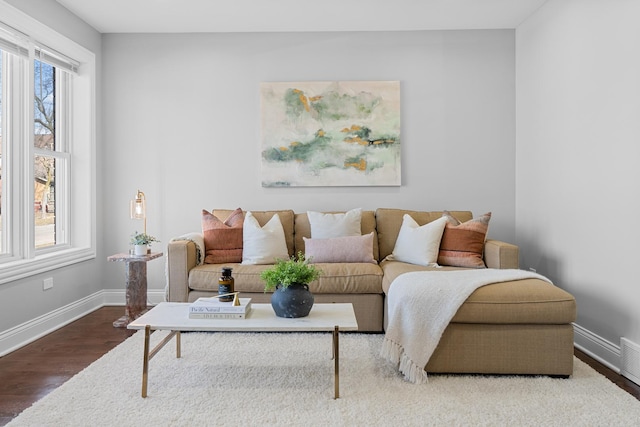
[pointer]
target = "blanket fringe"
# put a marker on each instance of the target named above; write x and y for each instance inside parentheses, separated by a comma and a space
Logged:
(396, 354)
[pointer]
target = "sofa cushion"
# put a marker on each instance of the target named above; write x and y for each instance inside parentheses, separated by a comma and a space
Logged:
(358, 278)
(286, 218)
(246, 277)
(328, 225)
(418, 244)
(528, 301)
(393, 269)
(340, 249)
(349, 278)
(303, 229)
(462, 243)
(389, 221)
(222, 239)
(263, 245)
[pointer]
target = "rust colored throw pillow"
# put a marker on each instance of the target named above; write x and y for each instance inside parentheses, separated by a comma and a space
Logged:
(462, 244)
(222, 240)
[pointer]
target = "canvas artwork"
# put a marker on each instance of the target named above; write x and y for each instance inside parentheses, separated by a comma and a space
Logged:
(341, 133)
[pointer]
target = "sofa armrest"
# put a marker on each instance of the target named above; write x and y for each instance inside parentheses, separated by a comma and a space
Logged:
(499, 254)
(181, 258)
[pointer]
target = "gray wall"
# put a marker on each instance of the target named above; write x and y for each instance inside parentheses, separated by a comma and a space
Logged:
(577, 157)
(181, 122)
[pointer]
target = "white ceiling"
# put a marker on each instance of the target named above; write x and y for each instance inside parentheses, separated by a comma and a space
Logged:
(172, 16)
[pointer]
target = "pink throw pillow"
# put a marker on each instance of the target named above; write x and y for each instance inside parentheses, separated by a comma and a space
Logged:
(349, 249)
(462, 244)
(222, 240)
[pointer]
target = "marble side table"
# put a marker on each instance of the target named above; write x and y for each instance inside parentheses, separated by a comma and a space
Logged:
(136, 280)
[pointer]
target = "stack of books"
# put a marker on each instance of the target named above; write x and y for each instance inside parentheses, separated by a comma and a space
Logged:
(213, 308)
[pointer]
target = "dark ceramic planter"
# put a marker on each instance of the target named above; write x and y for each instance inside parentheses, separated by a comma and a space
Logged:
(293, 301)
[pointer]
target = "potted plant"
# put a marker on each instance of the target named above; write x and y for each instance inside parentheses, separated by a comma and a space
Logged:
(141, 242)
(289, 280)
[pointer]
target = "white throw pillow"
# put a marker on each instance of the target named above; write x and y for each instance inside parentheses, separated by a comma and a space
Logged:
(263, 245)
(328, 225)
(418, 244)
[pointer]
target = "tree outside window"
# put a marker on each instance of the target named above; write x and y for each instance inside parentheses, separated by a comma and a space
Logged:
(44, 141)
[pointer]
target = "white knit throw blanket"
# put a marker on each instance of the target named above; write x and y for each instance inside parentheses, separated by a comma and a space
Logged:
(198, 240)
(420, 306)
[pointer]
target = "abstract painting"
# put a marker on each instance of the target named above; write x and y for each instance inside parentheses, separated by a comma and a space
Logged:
(340, 133)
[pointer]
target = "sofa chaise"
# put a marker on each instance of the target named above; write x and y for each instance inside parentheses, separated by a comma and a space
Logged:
(502, 328)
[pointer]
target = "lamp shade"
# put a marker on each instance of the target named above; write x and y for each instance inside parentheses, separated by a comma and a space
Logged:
(138, 208)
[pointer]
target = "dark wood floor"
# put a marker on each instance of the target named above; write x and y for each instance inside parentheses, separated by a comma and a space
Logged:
(33, 371)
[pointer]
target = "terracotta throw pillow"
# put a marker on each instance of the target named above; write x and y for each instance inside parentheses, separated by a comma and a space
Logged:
(462, 244)
(222, 240)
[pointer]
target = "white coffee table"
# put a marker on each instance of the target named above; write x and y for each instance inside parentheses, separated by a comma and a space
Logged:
(174, 317)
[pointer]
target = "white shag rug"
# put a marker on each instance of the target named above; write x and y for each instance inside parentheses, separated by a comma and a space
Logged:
(283, 379)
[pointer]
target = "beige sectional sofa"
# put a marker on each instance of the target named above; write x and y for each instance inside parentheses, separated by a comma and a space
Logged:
(502, 328)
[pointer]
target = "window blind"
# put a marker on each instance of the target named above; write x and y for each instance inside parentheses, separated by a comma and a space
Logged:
(13, 41)
(17, 43)
(56, 59)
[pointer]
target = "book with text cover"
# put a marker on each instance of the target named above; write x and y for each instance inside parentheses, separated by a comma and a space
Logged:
(202, 315)
(214, 305)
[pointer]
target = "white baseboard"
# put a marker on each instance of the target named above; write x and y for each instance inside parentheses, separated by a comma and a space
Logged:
(605, 352)
(21, 335)
(118, 296)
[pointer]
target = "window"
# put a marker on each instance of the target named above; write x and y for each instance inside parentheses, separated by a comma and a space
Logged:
(47, 144)
(2, 149)
(50, 106)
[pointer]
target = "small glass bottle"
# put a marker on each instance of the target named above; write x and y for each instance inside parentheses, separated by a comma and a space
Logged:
(225, 285)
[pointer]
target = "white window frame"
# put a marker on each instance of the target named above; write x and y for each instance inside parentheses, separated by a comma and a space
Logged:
(77, 216)
(62, 156)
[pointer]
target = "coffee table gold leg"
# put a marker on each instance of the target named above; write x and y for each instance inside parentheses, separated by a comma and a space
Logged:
(336, 362)
(149, 354)
(145, 360)
(178, 347)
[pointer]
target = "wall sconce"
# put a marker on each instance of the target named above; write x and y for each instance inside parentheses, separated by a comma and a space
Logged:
(138, 208)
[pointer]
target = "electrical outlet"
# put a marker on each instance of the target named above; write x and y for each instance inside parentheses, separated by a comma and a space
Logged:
(47, 283)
